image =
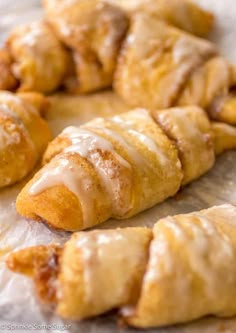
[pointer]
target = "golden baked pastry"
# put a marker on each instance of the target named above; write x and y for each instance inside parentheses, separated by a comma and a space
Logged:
(181, 270)
(93, 30)
(160, 66)
(192, 134)
(208, 84)
(183, 14)
(80, 43)
(223, 107)
(7, 79)
(224, 137)
(24, 134)
(191, 271)
(35, 59)
(39, 61)
(155, 62)
(119, 166)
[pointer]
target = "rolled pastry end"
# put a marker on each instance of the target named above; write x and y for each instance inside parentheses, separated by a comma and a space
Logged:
(225, 137)
(40, 209)
(121, 253)
(65, 277)
(46, 198)
(223, 108)
(7, 79)
(39, 60)
(42, 264)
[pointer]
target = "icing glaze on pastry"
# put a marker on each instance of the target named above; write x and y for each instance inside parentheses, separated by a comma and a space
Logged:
(181, 270)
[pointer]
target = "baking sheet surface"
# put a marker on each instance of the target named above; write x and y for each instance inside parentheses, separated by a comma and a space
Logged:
(17, 302)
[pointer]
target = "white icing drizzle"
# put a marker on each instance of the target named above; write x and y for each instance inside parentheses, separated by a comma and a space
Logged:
(15, 101)
(113, 255)
(183, 50)
(12, 136)
(30, 38)
(206, 248)
(151, 145)
(135, 155)
(159, 249)
(86, 143)
(132, 152)
(99, 249)
(4, 108)
(146, 140)
(76, 179)
(9, 138)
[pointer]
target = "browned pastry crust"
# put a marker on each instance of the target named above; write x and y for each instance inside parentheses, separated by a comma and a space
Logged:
(211, 80)
(39, 60)
(42, 264)
(156, 61)
(24, 134)
(155, 277)
(225, 137)
(119, 166)
(223, 107)
(93, 30)
(161, 66)
(183, 14)
(7, 79)
(195, 133)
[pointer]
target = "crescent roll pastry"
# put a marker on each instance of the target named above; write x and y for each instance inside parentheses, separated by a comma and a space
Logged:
(183, 14)
(223, 107)
(120, 166)
(79, 45)
(160, 66)
(24, 135)
(181, 270)
(210, 87)
(191, 131)
(191, 271)
(224, 137)
(155, 62)
(39, 61)
(7, 79)
(113, 167)
(93, 30)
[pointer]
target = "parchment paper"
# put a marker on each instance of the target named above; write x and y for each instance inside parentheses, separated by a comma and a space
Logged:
(18, 305)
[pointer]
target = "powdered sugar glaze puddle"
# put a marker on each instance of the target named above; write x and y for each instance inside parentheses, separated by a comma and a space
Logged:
(17, 302)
